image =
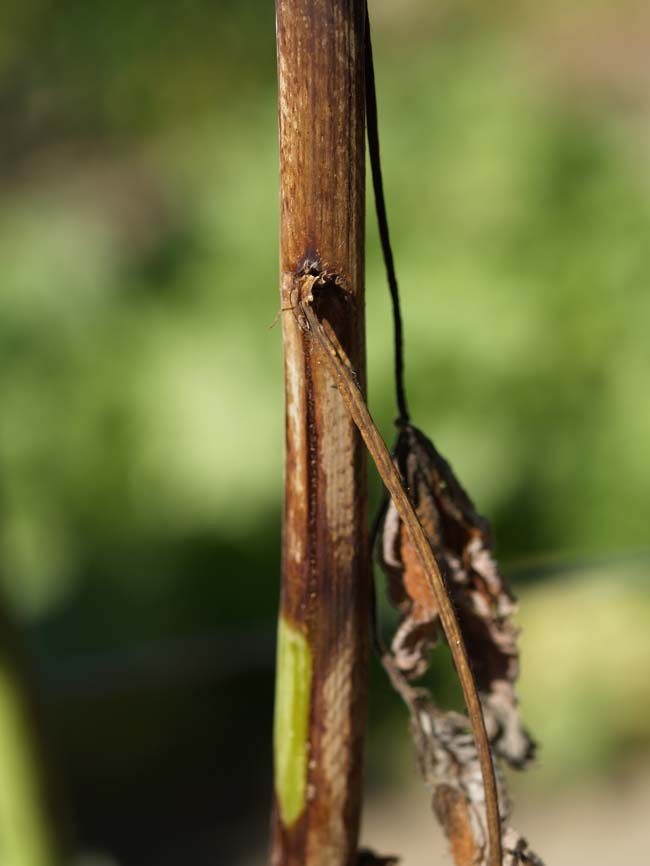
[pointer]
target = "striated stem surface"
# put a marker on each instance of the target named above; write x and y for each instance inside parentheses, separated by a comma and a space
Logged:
(323, 625)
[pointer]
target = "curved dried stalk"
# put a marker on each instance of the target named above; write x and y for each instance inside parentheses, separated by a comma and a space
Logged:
(353, 398)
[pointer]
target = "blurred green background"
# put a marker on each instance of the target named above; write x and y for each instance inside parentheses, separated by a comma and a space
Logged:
(141, 420)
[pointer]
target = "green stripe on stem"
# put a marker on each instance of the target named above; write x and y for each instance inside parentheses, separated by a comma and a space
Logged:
(291, 727)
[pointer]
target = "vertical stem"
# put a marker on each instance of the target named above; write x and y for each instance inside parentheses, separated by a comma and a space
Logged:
(323, 626)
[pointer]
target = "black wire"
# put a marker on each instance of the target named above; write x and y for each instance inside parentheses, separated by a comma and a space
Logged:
(380, 207)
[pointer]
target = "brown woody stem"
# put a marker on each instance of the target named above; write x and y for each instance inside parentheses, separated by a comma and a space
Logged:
(323, 644)
(344, 376)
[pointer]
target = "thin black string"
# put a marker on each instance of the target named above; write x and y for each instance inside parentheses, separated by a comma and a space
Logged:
(380, 207)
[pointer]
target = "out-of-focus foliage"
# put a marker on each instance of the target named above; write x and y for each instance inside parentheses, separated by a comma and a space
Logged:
(141, 415)
(140, 382)
(585, 687)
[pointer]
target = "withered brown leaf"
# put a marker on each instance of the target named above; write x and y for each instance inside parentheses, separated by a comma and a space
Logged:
(461, 542)
(449, 766)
